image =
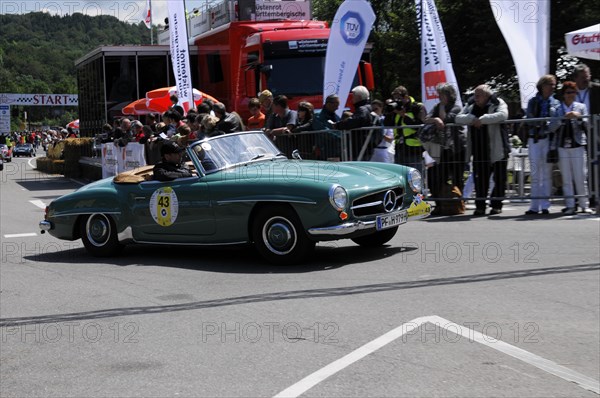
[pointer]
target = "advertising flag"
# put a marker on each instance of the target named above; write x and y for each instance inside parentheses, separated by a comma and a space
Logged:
(584, 43)
(148, 15)
(436, 64)
(347, 39)
(180, 53)
(525, 26)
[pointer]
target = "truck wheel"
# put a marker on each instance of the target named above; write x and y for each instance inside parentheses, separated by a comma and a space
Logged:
(99, 235)
(376, 239)
(279, 236)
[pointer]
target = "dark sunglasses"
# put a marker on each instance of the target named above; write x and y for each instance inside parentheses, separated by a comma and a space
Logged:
(570, 92)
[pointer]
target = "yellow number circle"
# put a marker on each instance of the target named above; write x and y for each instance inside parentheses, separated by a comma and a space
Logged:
(164, 206)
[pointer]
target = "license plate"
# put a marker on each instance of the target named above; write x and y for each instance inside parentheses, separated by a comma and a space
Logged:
(392, 220)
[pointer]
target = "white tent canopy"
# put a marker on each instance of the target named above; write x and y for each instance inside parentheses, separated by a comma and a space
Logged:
(584, 43)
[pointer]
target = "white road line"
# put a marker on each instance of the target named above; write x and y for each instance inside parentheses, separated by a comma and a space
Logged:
(541, 363)
(312, 380)
(20, 235)
(38, 203)
(29, 163)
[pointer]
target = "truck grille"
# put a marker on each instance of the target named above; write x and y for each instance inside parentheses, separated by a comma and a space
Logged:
(378, 203)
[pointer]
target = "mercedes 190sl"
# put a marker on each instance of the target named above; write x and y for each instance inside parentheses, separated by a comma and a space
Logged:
(243, 191)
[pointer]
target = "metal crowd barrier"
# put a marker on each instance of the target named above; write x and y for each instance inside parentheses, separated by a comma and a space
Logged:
(358, 144)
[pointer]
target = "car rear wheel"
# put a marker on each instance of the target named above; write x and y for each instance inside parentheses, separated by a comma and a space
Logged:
(279, 236)
(99, 235)
(376, 239)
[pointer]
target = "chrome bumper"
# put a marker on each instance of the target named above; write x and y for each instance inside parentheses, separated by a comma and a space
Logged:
(45, 226)
(422, 210)
(342, 229)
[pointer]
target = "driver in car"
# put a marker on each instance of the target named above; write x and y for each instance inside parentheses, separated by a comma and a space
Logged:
(170, 167)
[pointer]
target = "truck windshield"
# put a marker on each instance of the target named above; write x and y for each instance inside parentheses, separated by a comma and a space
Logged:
(298, 76)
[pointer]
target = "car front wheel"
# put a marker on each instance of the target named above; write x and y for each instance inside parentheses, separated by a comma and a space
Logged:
(279, 236)
(376, 239)
(99, 235)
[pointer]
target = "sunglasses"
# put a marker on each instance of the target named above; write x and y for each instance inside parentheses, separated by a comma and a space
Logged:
(570, 92)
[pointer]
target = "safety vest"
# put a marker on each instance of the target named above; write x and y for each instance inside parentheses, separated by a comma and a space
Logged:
(410, 135)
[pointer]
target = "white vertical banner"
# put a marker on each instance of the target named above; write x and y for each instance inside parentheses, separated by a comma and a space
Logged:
(525, 26)
(130, 157)
(436, 63)
(347, 39)
(110, 164)
(180, 53)
(148, 14)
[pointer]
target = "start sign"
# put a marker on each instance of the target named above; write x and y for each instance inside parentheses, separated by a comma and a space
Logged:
(39, 99)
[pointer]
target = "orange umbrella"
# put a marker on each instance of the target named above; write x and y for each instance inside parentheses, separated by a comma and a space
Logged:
(159, 100)
(137, 107)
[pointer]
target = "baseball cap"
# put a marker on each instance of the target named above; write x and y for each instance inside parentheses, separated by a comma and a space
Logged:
(171, 147)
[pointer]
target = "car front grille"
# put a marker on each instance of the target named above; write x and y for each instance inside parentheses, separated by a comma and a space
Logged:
(378, 203)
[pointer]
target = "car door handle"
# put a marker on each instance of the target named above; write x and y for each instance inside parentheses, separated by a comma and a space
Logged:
(140, 198)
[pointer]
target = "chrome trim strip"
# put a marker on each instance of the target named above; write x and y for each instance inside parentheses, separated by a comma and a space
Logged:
(383, 190)
(45, 225)
(190, 244)
(367, 205)
(418, 217)
(88, 213)
(343, 229)
(222, 202)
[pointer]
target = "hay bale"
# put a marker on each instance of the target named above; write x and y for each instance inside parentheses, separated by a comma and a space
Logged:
(44, 164)
(58, 166)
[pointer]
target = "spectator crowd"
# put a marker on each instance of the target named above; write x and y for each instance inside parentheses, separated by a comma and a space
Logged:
(459, 148)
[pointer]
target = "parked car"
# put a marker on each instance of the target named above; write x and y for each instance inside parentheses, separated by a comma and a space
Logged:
(244, 191)
(6, 152)
(24, 150)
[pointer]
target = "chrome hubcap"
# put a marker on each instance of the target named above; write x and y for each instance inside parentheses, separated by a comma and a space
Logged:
(279, 235)
(98, 230)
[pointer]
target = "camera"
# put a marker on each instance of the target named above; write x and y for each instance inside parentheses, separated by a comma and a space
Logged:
(392, 105)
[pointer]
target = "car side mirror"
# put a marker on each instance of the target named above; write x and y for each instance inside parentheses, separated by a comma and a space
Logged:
(296, 154)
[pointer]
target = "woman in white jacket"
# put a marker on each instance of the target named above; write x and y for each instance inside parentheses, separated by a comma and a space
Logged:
(570, 140)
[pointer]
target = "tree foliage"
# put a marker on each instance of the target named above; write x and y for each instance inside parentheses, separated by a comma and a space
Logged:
(38, 50)
(38, 53)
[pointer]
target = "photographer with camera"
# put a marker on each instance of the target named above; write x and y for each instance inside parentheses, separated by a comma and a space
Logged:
(405, 111)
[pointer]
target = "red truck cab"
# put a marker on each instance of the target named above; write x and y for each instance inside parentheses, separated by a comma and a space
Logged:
(241, 58)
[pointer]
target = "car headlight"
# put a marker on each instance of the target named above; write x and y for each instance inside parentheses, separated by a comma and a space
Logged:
(338, 197)
(414, 180)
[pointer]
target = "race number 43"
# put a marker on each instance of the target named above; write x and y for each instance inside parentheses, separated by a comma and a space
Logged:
(164, 206)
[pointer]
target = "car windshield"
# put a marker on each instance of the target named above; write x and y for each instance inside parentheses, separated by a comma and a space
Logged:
(227, 150)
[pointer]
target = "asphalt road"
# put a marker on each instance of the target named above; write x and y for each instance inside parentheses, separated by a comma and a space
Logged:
(499, 306)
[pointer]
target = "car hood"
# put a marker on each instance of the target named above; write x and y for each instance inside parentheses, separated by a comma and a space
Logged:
(350, 175)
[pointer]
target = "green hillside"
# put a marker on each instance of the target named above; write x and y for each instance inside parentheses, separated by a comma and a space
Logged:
(38, 52)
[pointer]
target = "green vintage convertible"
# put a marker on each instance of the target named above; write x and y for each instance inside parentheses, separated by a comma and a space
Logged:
(244, 191)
